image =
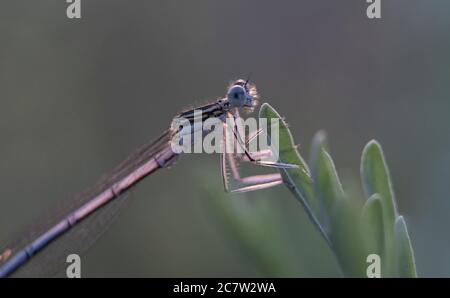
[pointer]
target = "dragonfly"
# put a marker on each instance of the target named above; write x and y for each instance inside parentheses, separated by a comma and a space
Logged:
(89, 214)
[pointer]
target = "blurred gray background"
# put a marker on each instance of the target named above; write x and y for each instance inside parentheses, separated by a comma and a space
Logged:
(77, 96)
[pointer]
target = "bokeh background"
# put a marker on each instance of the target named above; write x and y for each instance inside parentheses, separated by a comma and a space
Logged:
(77, 96)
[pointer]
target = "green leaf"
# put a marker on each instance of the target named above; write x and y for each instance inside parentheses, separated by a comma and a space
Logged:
(406, 266)
(289, 154)
(328, 188)
(298, 180)
(339, 217)
(372, 221)
(376, 179)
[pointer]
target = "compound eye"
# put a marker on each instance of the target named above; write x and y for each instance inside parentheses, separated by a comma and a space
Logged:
(236, 96)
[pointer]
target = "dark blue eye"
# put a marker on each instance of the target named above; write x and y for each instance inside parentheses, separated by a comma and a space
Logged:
(236, 96)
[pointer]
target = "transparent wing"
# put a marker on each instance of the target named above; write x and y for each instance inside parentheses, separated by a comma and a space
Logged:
(86, 232)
